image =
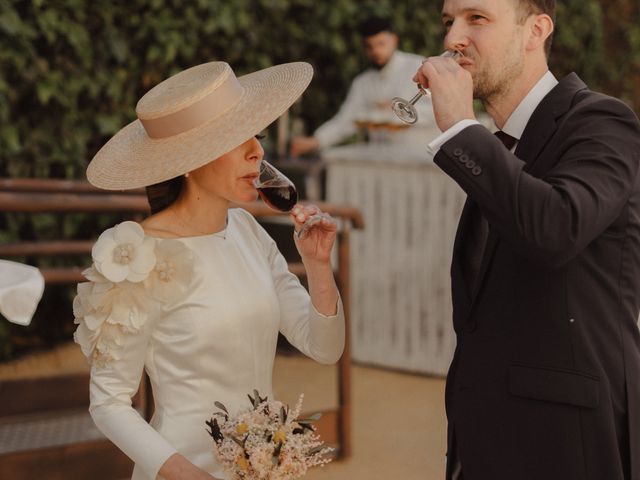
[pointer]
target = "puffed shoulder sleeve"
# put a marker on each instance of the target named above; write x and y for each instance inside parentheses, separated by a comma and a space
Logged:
(318, 336)
(115, 311)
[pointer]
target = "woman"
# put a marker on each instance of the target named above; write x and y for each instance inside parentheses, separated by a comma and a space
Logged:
(197, 293)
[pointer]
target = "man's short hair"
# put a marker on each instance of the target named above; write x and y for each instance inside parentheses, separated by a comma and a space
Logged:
(374, 25)
(527, 8)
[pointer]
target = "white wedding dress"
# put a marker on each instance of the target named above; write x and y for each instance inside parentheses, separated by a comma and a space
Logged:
(201, 315)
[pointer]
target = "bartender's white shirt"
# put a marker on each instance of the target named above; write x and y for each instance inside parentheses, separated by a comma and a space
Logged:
(372, 87)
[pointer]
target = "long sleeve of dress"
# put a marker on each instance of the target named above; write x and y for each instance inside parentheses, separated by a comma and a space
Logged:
(318, 336)
(111, 389)
(115, 313)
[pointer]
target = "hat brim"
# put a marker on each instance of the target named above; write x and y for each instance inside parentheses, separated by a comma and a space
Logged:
(131, 159)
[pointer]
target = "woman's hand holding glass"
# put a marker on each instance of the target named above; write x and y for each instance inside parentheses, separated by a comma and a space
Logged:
(279, 193)
(314, 233)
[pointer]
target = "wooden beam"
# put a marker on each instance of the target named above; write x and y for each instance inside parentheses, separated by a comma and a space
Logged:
(33, 395)
(89, 460)
(52, 248)
(57, 202)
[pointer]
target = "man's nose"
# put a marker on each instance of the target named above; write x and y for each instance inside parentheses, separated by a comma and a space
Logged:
(457, 37)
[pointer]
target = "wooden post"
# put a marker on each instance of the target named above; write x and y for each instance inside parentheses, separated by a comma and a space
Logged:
(344, 377)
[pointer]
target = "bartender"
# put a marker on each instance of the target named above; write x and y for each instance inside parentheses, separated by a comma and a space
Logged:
(371, 92)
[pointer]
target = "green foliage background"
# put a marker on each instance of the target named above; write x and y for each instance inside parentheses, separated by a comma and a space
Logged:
(71, 71)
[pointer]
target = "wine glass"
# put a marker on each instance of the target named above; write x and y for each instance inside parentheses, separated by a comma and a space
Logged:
(405, 109)
(279, 193)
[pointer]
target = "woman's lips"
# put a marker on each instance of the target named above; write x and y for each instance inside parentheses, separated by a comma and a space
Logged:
(250, 178)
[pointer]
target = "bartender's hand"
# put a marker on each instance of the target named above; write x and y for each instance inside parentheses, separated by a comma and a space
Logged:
(300, 145)
(451, 90)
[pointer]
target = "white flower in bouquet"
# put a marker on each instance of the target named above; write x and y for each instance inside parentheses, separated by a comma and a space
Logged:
(267, 441)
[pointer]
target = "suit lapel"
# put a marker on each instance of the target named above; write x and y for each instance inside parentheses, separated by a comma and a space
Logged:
(543, 123)
(538, 132)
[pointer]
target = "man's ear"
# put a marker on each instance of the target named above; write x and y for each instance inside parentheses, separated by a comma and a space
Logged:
(540, 27)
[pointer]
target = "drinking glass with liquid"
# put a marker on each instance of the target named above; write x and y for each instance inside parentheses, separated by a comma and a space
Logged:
(279, 193)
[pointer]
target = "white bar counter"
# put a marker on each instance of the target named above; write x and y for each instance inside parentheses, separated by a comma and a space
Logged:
(400, 262)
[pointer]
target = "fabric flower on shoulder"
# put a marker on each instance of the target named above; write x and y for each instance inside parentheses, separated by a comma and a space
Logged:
(173, 270)
(104, 311)
(129, 270)
(124, 253)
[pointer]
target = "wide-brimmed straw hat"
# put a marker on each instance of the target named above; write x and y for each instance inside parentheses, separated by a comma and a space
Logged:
(193, 118)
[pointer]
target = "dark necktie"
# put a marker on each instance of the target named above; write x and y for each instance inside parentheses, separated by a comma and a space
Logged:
(506, 139)
(480, 228)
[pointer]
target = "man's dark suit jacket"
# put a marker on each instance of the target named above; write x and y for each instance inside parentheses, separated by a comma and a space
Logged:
(545, 381)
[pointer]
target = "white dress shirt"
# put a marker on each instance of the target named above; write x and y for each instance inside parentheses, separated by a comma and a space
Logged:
(372, 88)
(517, 121)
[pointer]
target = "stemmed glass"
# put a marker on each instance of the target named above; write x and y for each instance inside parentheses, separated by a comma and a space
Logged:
(279, 193)
(405, 109)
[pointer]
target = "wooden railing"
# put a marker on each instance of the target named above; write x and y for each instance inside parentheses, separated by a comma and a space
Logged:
(64, 196)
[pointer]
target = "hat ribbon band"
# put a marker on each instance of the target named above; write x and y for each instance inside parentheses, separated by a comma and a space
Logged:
(204, 110)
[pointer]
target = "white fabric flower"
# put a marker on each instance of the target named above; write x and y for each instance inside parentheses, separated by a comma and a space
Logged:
(173, 271)
(104, 311)
(129, 269)
(124, 253)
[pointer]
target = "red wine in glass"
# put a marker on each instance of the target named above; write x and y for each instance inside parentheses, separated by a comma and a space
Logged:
(279, 193)
(281, 198)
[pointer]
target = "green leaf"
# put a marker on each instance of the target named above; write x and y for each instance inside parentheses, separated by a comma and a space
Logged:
(313, 418)
(10, 139)
(10, 21)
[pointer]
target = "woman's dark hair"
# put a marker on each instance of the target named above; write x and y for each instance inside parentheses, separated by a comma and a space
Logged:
(163, 194)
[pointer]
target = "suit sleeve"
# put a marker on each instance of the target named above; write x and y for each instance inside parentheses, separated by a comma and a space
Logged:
(551, 219)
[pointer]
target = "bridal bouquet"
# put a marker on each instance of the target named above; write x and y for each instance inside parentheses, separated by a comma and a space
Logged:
(267, 441)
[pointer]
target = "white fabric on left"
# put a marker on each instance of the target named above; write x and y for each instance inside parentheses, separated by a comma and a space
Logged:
(21, 288)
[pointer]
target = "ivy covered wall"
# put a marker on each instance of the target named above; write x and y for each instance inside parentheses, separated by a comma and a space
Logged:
(71, 71)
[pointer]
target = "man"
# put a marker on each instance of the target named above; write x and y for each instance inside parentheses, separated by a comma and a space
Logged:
(545, 380)
(371, 92)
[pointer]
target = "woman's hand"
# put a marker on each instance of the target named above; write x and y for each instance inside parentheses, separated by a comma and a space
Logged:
(314, 244)
(178, 467)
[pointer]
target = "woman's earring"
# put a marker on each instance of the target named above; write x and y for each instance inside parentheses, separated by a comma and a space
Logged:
(186, 175)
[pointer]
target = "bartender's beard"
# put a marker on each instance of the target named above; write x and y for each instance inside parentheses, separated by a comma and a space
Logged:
(377, 66)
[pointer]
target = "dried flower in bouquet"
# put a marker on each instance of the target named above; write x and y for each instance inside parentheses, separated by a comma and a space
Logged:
(267, 441)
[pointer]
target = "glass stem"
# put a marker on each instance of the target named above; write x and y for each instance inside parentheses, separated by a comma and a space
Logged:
(417, 97)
